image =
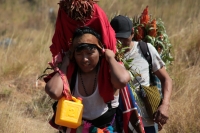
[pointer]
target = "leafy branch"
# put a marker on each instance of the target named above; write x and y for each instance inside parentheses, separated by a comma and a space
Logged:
(153, 31)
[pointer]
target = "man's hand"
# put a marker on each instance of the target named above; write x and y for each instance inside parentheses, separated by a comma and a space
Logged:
(109, 54)
(161, 116)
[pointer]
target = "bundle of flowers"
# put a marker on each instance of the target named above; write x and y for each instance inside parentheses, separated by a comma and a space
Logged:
(153, 31)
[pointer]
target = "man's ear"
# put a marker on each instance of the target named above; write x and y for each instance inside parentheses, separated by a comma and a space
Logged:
(132, 32)
(101, 52)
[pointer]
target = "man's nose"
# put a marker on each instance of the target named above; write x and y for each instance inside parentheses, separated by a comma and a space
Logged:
(85, 57)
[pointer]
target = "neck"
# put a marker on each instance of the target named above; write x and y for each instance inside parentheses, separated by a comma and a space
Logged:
(130, 46)
(89, 73)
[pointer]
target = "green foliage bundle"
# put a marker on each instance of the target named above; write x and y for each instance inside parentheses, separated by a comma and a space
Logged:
(153, 31)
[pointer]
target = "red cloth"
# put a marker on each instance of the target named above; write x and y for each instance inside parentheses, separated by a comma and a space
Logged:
(131, 113)
(61, 41)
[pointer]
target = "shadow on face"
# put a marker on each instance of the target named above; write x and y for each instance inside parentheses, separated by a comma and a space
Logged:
(86, 52)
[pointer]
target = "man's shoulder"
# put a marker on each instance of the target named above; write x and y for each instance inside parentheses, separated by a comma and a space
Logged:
(152, 49)
(135, 44)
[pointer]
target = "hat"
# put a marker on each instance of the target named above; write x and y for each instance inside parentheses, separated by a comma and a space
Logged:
(122, 26)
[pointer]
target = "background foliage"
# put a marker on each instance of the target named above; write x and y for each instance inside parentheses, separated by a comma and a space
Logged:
(26, 29)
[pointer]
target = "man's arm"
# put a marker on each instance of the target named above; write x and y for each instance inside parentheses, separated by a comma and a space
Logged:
(54, 86)
(162, 114)
(119, 75)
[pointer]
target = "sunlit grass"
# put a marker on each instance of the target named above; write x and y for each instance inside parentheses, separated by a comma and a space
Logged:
(22, 103)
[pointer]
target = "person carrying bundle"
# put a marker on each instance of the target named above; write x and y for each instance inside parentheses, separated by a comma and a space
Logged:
(83, 50)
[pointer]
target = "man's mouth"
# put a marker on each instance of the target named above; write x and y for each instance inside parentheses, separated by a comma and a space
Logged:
(86, 64)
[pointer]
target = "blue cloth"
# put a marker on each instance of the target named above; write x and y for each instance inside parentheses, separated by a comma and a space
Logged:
(157, 82)
(151, 129)
(108, 129)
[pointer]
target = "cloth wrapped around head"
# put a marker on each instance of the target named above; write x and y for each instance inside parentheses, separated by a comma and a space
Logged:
(61, 42)
(86, 30)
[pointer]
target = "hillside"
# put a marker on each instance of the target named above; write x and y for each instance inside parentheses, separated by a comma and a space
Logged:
(26, 30)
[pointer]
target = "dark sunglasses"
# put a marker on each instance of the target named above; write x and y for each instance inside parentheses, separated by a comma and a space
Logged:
(87, 46)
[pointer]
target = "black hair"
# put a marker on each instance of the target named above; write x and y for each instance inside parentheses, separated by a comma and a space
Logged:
(84, 30)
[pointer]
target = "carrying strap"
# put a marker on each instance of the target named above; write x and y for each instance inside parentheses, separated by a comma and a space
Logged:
(145, 51)
(66, 87)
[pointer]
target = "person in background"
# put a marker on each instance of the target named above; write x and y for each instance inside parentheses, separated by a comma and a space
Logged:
(124, 30)
(86, 81)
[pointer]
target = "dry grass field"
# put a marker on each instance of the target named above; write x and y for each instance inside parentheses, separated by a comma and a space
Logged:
(26, 29)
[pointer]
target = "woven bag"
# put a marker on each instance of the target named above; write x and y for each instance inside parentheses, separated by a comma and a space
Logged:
(151, 98)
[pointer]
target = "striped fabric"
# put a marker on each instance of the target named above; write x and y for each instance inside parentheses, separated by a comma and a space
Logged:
(131, 116)
(158, 84)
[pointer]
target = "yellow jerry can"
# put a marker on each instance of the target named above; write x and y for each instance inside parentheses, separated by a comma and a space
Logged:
(69, 113)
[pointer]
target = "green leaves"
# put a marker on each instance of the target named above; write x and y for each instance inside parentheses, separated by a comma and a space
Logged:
(120, 55)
